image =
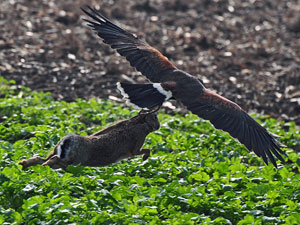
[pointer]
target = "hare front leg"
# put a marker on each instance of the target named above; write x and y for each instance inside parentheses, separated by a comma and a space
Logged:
(31, 162)
(145, 152)
(55, 163)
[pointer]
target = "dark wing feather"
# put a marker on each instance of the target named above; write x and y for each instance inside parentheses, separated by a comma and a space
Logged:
(146, 59)
(228, 116)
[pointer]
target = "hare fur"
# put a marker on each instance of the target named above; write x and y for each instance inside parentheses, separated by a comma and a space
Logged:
(110, 145)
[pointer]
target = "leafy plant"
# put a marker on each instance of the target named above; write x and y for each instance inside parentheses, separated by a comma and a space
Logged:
(195, 175)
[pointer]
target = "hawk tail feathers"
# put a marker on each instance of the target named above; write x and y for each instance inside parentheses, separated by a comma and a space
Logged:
(144, 96)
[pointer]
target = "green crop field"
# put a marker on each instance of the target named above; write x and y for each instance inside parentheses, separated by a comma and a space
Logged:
(195, 174)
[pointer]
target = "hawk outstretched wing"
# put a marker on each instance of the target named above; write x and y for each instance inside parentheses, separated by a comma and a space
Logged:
(146, 59)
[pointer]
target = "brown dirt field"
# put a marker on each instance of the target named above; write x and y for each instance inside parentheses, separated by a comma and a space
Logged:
(247, 51)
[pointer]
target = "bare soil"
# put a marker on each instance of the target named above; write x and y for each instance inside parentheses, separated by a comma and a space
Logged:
(247, 51)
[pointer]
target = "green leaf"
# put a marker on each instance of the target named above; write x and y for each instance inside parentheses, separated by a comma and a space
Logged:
(195, 174)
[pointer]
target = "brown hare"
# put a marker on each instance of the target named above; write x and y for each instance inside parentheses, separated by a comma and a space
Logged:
(112, 144)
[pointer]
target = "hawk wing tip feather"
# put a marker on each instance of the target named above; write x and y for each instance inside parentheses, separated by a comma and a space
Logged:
(83, 7)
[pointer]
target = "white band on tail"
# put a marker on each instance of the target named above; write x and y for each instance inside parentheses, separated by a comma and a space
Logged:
(123, 93)
(126, 96)
(157, 86)
(160, 89)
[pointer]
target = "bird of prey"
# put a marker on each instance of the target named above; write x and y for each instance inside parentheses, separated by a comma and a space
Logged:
(169, 82)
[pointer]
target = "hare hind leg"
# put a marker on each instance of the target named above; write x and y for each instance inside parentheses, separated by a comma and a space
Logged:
(55, 162)
(31, 162)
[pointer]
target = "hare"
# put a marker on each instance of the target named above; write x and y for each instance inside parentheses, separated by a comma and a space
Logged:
(110, 145)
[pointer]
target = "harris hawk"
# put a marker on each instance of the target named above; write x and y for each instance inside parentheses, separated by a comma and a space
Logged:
(169, 82)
